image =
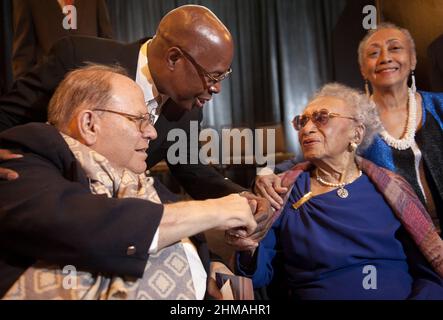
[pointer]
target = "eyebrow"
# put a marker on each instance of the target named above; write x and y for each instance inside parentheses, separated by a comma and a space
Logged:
(388, 41)
(393, 40)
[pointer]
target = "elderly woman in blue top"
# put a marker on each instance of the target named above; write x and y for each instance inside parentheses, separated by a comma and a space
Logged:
(411, 140)
(348, 229)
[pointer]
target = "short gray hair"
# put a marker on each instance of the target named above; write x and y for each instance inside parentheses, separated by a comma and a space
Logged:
(382, 26)
(88, 86)
(363, 109)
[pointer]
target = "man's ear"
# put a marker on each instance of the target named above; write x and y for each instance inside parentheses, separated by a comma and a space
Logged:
(88, 127)
(172, 56)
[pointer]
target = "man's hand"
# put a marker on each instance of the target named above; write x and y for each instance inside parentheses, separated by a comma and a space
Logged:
(269, 187)
(263, 213)
(233, 211)
(7, 174)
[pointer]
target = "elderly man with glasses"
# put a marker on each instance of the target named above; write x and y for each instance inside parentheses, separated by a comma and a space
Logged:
(178, 70)
(83, 200)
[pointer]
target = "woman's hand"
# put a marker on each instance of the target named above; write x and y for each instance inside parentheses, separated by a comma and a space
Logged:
(269, 186)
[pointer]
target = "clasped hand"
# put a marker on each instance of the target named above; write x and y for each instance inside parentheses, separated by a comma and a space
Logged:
(263, 213)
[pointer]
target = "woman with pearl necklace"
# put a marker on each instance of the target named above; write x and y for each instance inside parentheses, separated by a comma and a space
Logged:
(411, 142)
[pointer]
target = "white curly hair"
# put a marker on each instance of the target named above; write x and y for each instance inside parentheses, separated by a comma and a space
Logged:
(363, 109)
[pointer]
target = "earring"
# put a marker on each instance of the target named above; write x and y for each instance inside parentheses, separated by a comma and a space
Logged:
(352, 147)
(368, 93)
(413, 87)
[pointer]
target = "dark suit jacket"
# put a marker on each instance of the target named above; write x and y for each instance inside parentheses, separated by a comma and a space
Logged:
(435, 55)
(29, 97)
(49, 214)
(39, 24)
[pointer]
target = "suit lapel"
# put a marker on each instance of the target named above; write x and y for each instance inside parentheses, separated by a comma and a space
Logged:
(172, 116)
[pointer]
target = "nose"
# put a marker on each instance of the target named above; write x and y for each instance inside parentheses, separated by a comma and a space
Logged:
(215, 88)
(385, 56)
(149, 132)
(308, 128)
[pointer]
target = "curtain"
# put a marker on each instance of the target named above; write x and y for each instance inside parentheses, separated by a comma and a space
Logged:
(283, 53)
(5, 45)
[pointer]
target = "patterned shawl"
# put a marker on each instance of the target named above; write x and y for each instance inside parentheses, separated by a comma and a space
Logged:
(403, 201)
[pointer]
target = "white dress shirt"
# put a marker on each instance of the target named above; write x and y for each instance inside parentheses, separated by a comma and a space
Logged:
(154, 101)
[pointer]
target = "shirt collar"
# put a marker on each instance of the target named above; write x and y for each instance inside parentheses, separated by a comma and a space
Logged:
(144, 78)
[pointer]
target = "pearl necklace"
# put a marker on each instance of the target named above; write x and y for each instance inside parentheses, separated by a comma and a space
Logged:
(409, 138)
(341, 192)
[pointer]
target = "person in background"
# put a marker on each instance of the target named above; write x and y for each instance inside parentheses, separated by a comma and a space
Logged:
(38, 25)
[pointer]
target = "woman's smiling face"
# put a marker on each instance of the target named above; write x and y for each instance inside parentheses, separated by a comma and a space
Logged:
(387, 58)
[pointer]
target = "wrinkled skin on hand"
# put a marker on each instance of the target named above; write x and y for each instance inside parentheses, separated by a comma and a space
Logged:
(263, 213)
(270, 187)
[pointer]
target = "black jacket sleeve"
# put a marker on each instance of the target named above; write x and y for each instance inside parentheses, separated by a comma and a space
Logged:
(24, 40)
(29, 97)
(104, 22)
(201, 181)
(45, 216)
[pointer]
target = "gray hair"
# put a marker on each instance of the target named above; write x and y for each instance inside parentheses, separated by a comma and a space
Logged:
(363, 109)
(86, 87)
(382, 26)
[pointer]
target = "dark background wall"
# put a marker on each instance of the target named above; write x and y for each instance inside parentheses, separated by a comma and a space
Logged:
(5, 45)
(347, 34)
(285, 49)
(424, 19)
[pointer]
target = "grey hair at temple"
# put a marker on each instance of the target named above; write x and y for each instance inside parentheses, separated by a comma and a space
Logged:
(363, 109)
(87, 87)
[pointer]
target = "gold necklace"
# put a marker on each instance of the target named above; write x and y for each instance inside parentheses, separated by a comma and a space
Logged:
(341, 192)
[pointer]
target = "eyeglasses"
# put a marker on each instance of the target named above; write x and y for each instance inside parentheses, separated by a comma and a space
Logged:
(142, 122)
(213, 79)
(320, 118)
(203, 71)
